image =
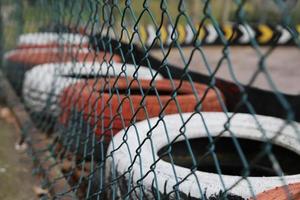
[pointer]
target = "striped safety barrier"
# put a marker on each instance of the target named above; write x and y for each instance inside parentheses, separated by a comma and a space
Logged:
(235, 34)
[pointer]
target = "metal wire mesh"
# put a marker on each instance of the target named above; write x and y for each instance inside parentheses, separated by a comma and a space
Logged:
(150, 99)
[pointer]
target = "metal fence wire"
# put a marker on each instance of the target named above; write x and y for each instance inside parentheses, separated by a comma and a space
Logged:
(158, 99)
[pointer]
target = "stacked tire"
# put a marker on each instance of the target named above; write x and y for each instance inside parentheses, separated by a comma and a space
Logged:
(95, 110)
(134, 175)
(52, 40)
(114, 104)
(144, 130)
(18, 61)
(40, 48)
(44, 83)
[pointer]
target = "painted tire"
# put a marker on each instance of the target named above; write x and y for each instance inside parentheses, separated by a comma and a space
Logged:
(50, 40)
(80, 96)
(44, 83)
(281, 193)
(17, 62)
(38, 56)
(119, 163)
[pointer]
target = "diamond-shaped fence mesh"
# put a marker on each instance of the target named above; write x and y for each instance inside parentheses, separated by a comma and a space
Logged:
(158, 99)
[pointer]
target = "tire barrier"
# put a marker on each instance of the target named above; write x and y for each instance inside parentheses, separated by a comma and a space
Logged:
(291, 191)
(51, 40)
(130, 168)
(235, 34)
(36, 56)
(44, 83)
(17, 62)
(229, 157)
(264, 102)
(153, 100)
(116, 107)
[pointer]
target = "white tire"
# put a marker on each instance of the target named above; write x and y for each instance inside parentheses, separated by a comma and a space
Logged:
(52, 38)
(23, 53)
(18, 61)
(124, 147)
(44, 83)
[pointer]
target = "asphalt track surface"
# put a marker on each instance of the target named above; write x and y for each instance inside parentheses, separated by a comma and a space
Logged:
(283, 65)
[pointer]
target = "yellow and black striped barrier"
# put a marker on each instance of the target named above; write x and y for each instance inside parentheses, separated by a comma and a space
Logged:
(233, 34)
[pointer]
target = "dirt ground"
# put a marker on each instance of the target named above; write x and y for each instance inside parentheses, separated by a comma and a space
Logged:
(16, 180)
(283, 65)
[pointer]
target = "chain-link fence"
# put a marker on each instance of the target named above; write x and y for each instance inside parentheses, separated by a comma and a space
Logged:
(157, 99)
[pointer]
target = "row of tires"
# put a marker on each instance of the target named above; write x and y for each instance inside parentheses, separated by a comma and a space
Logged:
(145, 127)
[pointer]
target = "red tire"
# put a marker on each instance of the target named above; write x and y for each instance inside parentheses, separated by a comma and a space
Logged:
(292, 191)
(85, 95)
(36, 56)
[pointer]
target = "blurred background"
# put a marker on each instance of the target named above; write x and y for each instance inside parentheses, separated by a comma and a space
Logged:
(130, 20)
(33, 15)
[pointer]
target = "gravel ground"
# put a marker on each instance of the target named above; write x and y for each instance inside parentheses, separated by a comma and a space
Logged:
(16, 181)
(283, 65)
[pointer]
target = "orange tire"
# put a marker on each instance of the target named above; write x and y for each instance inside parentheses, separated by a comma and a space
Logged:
(36, 56)
(290, 192)
(121, 109)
